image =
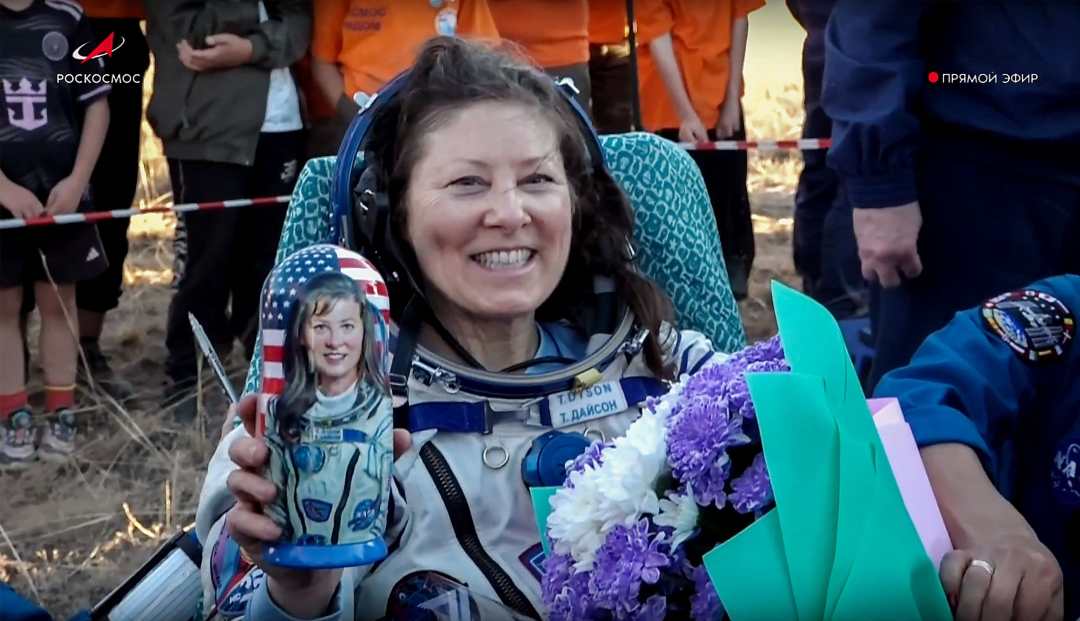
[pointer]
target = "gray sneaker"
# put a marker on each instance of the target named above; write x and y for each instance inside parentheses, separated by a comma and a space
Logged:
(58, 441)
(17, 441)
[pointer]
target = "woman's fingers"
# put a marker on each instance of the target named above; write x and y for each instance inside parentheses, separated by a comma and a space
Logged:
(1040, 594)
(250, 486)
(952, 574)
(974, 588)
(245, 409)
(1001, 597)
(250, 528)
(249, 453)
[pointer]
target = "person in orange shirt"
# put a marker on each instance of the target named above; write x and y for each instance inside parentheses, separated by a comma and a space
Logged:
(691, 84)
(554, 34)
(609, 67)
(359, 45)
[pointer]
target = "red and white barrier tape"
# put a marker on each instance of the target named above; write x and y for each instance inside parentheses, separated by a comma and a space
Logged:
(805, 144)
(116, 214)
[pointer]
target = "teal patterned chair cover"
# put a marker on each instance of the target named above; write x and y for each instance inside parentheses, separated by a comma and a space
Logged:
(675, 232)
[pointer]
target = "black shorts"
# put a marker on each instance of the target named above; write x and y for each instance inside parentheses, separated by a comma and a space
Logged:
(73, 252)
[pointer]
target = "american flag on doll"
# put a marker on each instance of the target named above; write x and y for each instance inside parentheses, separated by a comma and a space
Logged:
(280, 298)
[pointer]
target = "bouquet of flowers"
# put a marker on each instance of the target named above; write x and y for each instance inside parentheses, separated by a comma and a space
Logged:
(630, 525)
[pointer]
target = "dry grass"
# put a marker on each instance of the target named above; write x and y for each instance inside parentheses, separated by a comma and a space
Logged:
(71, 532)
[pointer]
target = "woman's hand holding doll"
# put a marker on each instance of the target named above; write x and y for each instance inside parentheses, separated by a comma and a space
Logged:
(304, 593)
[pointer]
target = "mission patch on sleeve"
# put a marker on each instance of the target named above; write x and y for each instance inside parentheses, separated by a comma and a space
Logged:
(1036, 325)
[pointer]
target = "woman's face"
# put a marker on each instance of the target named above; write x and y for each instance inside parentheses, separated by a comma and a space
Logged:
(335, 341)
(488, 212)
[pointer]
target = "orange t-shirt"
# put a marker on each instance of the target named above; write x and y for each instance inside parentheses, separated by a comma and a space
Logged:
(701, 38)
(607, 21)
(131, 9)
(554, 33)
(374, 40)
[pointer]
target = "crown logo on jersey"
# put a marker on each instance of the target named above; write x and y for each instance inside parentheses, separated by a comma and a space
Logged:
(26, 88)
(25, 102)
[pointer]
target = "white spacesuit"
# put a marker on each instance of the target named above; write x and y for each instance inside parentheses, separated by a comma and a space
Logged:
(460, 509)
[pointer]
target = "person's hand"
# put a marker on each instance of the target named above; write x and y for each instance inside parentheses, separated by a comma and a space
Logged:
(19, 201)
(1011, 577)
(887, 239)
(300, 592)
(729, 121)
(693, 130)
(223, 51)
(64, 197)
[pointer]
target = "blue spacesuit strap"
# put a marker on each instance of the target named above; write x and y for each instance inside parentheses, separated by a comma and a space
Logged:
(452, 416)
(475, 417)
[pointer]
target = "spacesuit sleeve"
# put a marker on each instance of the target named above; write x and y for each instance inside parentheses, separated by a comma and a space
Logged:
(972, 381)
(687, 350)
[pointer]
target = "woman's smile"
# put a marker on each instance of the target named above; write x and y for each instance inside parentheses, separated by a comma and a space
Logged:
(505, 260)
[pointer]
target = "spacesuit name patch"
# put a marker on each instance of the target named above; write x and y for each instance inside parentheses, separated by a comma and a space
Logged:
(576, 406)
(1034, 324)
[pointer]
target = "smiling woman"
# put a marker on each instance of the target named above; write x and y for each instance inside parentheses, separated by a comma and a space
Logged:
(485, 202)
(488, 213)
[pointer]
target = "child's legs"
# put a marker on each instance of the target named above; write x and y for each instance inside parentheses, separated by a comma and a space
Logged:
(59, 332)
(12, 377)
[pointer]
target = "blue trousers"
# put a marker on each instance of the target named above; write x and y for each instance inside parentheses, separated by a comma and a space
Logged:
(996, 216)
(824, 248)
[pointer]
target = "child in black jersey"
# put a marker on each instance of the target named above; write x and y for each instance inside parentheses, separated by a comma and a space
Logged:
(52, 124)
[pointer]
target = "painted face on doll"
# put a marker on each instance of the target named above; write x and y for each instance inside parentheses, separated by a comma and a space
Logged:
(334, 336)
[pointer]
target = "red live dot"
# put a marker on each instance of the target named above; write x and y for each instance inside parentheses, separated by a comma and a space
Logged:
(933, 77)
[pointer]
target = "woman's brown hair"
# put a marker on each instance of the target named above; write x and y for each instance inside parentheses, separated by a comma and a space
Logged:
(451, 73)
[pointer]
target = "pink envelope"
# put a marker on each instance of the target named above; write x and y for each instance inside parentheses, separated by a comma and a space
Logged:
(907, 467)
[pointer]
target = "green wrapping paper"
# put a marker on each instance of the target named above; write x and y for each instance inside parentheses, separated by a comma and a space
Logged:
(839, 544)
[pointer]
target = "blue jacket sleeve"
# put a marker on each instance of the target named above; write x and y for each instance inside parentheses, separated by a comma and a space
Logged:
(873, 76)
(966, 384)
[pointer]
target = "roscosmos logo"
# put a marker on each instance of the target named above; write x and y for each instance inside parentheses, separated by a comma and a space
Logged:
(106, 48)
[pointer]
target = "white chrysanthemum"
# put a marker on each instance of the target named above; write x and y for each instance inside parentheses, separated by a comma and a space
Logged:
(680, 512)
(617, 492)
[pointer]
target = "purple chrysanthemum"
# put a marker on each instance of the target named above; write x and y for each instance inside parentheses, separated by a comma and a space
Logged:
(654, 609)
(564, 591)
(752, 490)
(629, 556)
(592, 457)
(762, 351)
(705, 605)
(698, 439)
(737, 391)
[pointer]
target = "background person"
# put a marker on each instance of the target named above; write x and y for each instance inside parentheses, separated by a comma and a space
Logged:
(823, 240)
(993, 403)
(228, 113)
(554, 34)
(690, 67)
(610, 78)
(115, 178)
(359, 45)
(959, 190)
(50, 139)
